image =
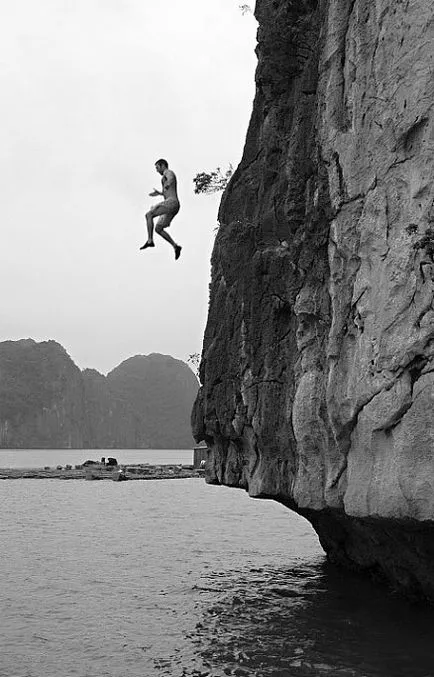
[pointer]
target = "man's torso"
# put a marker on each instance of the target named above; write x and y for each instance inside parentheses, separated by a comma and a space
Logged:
(169, 191)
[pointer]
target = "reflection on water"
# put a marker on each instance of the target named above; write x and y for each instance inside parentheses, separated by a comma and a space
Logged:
(178, 579)
(310, 620)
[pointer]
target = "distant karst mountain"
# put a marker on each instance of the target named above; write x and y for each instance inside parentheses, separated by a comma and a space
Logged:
(46, 401)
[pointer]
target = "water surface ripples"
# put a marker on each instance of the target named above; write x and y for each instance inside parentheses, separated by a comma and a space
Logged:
(176, 578)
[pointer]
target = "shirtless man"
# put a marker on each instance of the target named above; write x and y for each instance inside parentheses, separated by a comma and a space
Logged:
(166, 210)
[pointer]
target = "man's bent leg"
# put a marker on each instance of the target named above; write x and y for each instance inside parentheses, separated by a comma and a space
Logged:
(150, 226)
(159, 228)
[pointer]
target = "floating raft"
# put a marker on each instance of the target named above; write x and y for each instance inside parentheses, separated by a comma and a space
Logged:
(98, 472)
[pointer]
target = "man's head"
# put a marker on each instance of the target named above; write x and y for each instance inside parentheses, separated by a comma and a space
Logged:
(161, 165)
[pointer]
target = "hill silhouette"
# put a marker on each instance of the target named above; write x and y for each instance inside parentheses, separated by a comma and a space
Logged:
(46, 401)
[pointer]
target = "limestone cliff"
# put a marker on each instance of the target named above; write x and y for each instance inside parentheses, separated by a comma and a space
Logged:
(41, 396)
(317, 364)
(110, 421)
(160, 391)
(47, 402)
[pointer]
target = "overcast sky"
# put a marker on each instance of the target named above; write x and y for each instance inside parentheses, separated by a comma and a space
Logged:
(93, 92)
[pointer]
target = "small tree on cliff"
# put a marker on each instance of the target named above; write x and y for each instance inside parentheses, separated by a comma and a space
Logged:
(194, 362)
(212, 182)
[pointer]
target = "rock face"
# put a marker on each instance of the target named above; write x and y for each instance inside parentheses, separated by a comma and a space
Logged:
(317, 366)
(110, 420)
(41, 396)
(160, 391)
(47, 402)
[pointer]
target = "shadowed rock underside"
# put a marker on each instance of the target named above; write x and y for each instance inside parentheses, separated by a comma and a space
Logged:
(317, 364)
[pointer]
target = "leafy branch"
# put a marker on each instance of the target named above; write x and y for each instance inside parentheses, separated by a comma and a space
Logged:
(212, 182)
(194, 362)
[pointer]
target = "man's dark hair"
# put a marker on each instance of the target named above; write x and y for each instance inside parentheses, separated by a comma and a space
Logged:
(162, 161)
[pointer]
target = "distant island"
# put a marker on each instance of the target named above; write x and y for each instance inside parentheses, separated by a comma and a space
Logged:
(47, 402)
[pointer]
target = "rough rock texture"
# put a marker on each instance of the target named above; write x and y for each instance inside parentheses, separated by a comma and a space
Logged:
(47, 402)
(317, 366)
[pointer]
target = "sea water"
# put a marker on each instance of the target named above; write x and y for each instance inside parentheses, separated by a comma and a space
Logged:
(177, 578)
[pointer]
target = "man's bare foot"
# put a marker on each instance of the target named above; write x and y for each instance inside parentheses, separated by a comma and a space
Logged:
(148, 244)
(177, 251)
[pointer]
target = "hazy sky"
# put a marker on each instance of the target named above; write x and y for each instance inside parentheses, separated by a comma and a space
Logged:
(93, 92)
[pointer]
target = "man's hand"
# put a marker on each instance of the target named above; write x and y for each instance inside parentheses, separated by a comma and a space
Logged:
(155, 192)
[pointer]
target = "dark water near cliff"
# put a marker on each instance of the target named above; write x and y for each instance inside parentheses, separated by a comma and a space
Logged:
(177, 578)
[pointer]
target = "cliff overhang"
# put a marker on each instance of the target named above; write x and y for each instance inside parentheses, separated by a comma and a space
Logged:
(317, 364)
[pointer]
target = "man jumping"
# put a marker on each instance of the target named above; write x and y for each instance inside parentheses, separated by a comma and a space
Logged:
(166, 210)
